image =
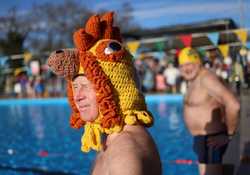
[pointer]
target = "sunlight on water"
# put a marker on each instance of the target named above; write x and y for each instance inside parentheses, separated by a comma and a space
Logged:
(37, 138)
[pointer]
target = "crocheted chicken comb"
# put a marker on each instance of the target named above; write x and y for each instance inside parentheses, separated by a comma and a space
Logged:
(65, 62)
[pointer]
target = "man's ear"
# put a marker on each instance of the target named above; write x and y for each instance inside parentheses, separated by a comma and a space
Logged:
(64, 63)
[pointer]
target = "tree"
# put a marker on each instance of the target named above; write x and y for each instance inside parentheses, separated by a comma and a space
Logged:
(14, 30)
(55, 24)
(125, 18)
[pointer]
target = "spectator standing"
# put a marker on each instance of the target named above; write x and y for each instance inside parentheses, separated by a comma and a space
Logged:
(171, 74)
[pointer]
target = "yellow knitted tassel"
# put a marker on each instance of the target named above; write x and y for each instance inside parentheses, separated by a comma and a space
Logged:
(91, 138)
(116, 128)
(132, 116)
(144, 117)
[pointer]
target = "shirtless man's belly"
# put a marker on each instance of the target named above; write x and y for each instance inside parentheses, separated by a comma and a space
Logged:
(203, 120)
(203, 114)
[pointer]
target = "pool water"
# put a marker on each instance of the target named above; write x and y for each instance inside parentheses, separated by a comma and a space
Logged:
(36, 138)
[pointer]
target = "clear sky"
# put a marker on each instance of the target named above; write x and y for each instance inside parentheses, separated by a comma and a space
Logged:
(156, 13)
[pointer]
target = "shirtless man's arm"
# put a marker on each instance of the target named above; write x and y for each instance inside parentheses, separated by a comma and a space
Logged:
(129, 158)
(217, 90)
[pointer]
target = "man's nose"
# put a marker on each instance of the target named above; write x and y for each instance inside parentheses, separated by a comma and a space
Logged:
(80, 95)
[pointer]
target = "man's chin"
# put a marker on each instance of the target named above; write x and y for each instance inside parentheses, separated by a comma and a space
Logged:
(85, 117)
(189, 78)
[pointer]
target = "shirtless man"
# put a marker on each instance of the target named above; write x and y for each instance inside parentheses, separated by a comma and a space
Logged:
(129, 152)
(106, 100)
(210, 112)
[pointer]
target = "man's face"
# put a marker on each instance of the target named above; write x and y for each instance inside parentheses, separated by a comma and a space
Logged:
(85, 98)
(189, 70)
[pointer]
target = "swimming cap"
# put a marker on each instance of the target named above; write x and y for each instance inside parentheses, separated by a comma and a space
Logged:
(188, 55)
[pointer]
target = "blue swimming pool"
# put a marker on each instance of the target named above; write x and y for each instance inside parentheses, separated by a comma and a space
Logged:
(36, 138)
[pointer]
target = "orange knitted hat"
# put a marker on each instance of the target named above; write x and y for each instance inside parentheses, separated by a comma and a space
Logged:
(109, 66)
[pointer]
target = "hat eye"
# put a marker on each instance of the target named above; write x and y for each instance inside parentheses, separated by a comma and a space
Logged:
(59, 51)
(112, 47)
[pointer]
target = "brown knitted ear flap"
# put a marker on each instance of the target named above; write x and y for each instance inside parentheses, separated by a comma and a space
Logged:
(93, 27)
(75, 119)
(64, 62)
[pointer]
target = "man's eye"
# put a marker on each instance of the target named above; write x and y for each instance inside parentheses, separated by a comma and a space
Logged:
(112, 47)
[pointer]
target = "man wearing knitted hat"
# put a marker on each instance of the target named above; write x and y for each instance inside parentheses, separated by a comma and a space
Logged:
(210, 112)
(105, 99)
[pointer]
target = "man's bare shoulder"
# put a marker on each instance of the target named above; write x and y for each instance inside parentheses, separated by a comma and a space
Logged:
(209, 78)
(126, 141)
(208, 74)
(216, 88)
(127, 148)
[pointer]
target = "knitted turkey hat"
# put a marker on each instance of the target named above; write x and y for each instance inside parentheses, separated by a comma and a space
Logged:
(106, 63)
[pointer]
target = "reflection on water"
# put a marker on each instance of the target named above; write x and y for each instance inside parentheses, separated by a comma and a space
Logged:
(40, 136)
(173, 118)
(162, 109)
(172, 138)
(35, 116)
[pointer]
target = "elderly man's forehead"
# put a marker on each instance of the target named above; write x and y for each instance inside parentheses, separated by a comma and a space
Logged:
(188, 64)
(78, 75)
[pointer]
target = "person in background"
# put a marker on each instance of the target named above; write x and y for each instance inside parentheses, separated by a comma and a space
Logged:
(39, 86)
(160, 81)
(248, 75)
(148, 82)
(30, 88)
(238, 76)
(171, 74)
(210, 112)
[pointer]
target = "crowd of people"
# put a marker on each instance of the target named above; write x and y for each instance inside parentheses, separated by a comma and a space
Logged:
(163, 75)
(39, 86)
(157, 75)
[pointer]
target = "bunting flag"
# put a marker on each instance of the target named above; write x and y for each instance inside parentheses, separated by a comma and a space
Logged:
(224, 49)
(133, 46)
(27, 56)
(242, 35)
(214, 37)
(202, 52)
(186, 40)
(160, 46)
(177, 52)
